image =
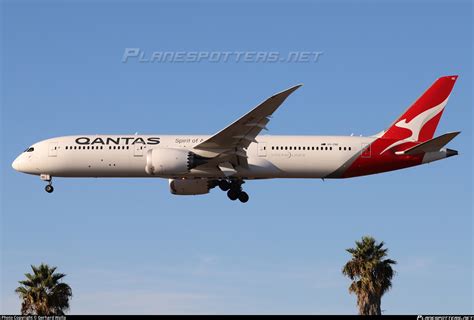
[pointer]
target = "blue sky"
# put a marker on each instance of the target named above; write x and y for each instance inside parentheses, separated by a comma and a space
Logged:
(129, 246)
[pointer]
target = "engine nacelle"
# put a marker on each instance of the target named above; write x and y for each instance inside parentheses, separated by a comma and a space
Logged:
(189, 186)
(169, 161)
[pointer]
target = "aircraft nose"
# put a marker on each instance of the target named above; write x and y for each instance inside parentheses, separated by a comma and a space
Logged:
(16, 164)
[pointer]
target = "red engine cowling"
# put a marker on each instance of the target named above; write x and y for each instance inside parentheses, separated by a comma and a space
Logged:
(189, 186)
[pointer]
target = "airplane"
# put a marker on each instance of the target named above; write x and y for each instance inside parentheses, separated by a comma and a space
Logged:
(194, 164)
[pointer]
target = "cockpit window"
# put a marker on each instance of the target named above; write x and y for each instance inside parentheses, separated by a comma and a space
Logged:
(31, 149)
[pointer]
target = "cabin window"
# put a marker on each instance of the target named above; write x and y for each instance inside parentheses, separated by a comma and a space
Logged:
(349, 148)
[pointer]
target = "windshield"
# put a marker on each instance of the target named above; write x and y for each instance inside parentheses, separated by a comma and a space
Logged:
(30, 149)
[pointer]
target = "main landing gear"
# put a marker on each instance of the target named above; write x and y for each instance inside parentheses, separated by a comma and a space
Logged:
(234, 190)
(49, 187)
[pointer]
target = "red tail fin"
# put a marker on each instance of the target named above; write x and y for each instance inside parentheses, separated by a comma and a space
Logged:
(419, 122)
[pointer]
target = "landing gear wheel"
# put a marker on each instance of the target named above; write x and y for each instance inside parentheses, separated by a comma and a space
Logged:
(243, 197)
(233, 194)
(224, 185)
(49, 188)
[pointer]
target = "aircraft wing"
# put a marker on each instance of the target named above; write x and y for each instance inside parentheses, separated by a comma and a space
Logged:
(240, 134)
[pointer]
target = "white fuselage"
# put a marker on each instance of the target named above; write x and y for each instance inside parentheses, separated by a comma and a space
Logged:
(269, 157)
(194, 164)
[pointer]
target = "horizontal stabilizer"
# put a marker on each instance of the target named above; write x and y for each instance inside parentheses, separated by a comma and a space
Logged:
(432, 145)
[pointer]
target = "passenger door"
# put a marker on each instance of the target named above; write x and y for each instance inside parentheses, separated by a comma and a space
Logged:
(138, 150)
(53, 149)
(262, 149)
(366, 150)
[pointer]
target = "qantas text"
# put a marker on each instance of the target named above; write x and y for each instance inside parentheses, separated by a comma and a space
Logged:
(117, 140)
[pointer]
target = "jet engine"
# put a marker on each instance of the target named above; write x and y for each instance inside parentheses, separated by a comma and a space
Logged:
(170, 161)
(189, 186)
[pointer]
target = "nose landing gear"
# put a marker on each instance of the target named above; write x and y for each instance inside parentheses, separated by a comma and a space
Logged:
(49, 187)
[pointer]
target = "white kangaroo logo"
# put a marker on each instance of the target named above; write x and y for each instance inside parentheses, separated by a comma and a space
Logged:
(416, 124)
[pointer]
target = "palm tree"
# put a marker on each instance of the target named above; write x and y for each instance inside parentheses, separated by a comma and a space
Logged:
(371, 275)
(42, 293)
